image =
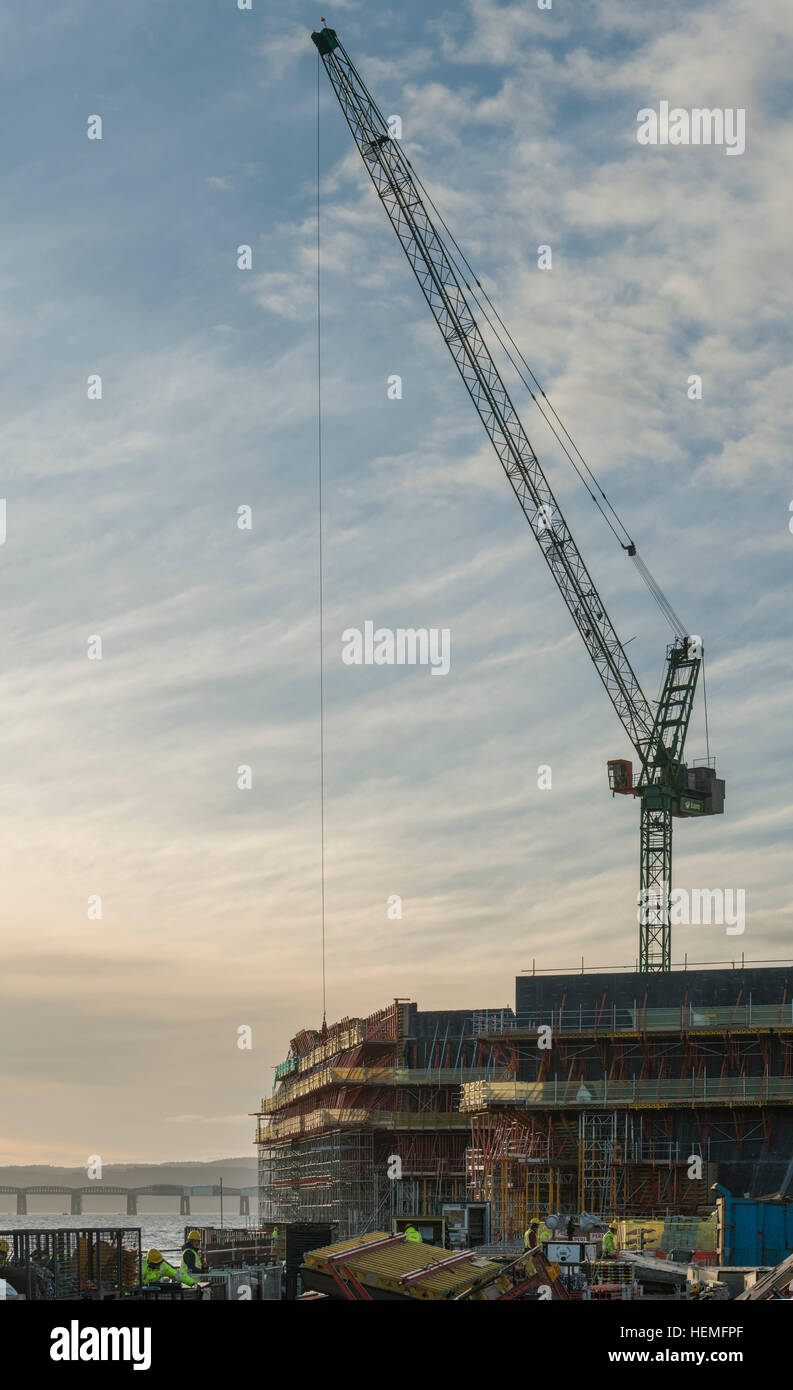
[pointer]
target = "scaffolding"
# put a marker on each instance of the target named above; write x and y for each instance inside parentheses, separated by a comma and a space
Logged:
(330, 1179)
(606, 1163)
(508, 1165)
(401, 1113)
(364, 1121)
(631, 1095)
(597, 1174)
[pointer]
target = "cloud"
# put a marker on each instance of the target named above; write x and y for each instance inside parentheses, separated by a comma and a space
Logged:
(205, 1119)
(120, 776)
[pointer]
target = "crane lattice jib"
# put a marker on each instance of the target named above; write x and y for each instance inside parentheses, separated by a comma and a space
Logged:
(391, 175)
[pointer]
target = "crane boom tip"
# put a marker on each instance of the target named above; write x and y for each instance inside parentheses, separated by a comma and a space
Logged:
(326, 40)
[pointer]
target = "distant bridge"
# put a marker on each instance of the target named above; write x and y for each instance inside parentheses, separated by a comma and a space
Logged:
(131, 1194)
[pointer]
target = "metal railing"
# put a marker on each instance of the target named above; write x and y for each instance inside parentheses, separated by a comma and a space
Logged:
(677, 965)
(635, 1018)
(740, 1090)
(374, 1076)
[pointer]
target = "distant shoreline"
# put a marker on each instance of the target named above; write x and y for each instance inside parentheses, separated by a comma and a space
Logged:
(239, 1172)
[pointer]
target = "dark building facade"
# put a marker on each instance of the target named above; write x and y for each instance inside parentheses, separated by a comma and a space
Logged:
(650, 1072)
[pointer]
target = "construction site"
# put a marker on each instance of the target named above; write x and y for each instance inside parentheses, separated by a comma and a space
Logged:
(611, 1132)
(409, 1114)
(658, 1105)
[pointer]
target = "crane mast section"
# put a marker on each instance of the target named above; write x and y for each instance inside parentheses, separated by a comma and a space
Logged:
(390, 173)
(673, 714)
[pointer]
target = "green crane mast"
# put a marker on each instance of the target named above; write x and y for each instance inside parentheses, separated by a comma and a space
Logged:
(665, 786)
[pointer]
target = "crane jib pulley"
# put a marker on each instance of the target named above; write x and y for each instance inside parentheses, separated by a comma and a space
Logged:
(665, 786)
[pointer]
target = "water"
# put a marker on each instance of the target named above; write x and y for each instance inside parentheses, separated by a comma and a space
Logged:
(159, 1229)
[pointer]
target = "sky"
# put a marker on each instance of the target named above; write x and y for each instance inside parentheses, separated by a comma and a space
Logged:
(120, 1033)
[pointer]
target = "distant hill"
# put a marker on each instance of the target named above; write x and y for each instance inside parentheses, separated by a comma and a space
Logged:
(235, 1172)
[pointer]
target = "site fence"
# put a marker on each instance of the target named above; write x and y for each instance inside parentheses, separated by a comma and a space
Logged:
(72, 1264)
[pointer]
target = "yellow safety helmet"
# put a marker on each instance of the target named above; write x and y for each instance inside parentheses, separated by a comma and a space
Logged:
(535, 1221)
(613, 1226)
(194, 1235)
(154, 1257)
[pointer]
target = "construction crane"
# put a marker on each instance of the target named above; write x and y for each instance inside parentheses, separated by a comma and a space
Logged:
(664, 785)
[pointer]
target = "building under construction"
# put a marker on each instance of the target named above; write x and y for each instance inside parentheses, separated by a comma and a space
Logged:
(365, 1122)
(617, 1094)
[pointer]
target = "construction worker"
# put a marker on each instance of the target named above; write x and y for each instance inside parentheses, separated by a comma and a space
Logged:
(531, 1237)
(156, 1268)
(192, 1259)
(3, 1253)
(412, 1234)
(609, 1247)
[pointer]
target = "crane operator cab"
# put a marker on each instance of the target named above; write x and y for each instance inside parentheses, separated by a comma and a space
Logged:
(621, 777)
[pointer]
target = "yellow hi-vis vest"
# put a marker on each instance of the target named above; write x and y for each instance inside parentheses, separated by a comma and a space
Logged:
(187, 1266)
(609, 1247)
(152, 1274)
(412, 1234)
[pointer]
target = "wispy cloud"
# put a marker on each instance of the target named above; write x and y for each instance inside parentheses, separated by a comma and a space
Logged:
(120, 776)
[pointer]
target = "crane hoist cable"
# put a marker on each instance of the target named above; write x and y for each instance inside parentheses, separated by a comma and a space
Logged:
(533, 386)
(321, 574)
(705, 704)
(511, 348)
(481, 297)
(660, 598)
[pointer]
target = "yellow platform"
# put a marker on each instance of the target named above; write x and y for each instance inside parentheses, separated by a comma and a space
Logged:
(383, 1269)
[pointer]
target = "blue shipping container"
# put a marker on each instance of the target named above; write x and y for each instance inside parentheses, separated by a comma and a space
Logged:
(755, 1233)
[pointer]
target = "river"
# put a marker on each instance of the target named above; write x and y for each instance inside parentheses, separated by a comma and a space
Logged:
(159, 1229)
